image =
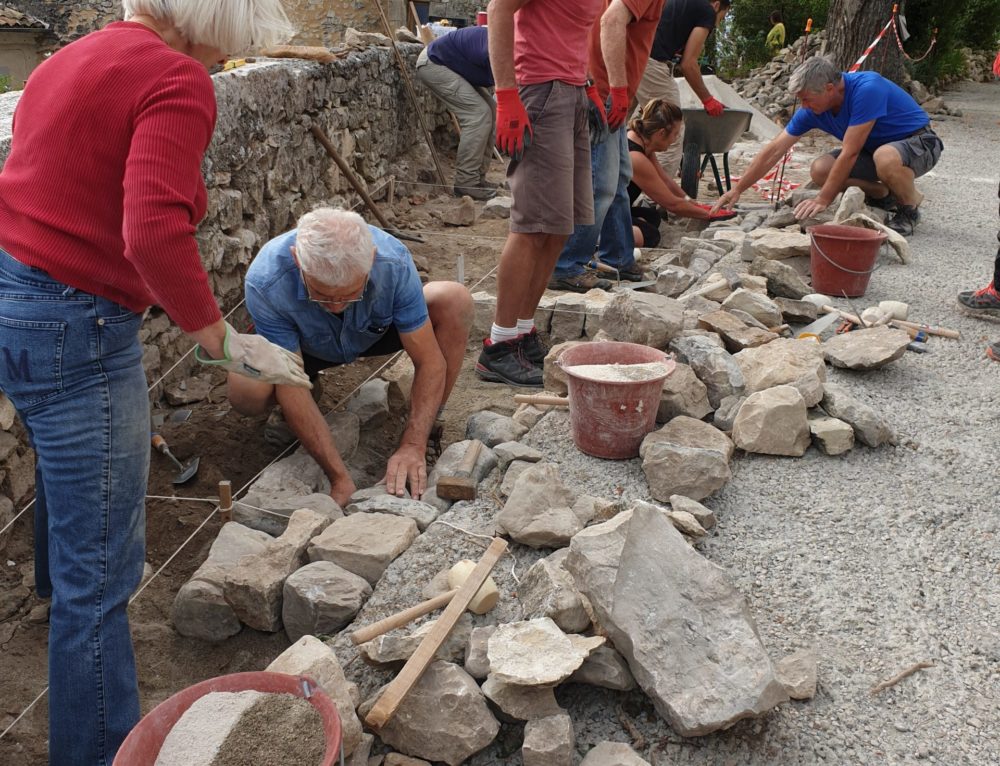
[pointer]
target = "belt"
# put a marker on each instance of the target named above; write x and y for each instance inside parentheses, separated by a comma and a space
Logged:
(924, 129)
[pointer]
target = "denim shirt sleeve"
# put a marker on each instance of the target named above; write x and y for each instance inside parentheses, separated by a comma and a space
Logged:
(270, 323)
(409, 309)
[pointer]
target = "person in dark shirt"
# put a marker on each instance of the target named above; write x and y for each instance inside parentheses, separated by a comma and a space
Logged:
(456, 67)
(678, 44)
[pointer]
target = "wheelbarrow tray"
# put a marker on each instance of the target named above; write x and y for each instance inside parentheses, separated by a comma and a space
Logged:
(714, 135)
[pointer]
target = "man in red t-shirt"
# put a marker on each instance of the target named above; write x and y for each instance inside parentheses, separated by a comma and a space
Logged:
(619, 49)
(538, 53)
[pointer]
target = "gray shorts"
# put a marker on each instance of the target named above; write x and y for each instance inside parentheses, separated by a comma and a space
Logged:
(552, 184)
(920, 152)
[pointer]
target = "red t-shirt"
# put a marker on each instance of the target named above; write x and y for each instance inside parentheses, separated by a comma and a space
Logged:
(102, 189)
(550, 40)
(639, 41)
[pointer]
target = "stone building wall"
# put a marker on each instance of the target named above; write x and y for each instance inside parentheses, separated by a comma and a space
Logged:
(461, 9)
(71, 19)
(263, 170)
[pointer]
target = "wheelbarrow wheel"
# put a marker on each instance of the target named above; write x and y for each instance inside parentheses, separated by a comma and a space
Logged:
(691, 170)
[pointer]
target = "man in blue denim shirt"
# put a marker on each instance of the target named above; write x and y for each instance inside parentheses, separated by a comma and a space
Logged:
(336, 289)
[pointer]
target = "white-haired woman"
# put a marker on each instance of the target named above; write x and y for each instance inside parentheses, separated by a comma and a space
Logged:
(99, 200)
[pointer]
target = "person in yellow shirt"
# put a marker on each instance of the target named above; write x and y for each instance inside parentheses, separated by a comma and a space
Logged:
(776, 37)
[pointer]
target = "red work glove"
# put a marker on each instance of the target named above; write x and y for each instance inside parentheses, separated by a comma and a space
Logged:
(618, 112)
(513, 125)
(713, 106)
(598, 117)
(996, 65)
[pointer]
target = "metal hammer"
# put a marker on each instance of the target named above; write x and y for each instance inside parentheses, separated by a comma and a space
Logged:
(461, 486)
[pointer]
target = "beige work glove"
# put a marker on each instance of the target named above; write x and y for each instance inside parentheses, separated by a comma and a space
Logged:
(258, 358)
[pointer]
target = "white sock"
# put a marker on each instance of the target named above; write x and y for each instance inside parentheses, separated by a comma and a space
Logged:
(499, 334)
(524, 326)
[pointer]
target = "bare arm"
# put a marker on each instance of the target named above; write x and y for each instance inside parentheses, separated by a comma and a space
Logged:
(690, 67)
(211, 337)
(501, 40)
(614, 42)
(644, 173)
(308, 424)
(764, 161)
(854, 142)
(408, 462)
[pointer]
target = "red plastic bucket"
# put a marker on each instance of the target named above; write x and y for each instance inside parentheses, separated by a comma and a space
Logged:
(611, 418)
(142, 745)
(481, 19)
(842, 258)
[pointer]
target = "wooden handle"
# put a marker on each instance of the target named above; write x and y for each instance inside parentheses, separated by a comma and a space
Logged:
(930, 329)
(398, 620)
(158, 442)
(552, 399)
(385, 707)
(468, 464)
(225, 500)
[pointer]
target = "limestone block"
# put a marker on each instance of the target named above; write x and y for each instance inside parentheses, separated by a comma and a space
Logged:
(554, 378)
(510, 451)
(736, 335)
(371, 403)
(704, 516)
(674, 280)
(777, 245)
(782, 280)
(311, 657)
(444, 717)
(543, 316)
(689, 432)
(492, 429)
(537, 653)
(832, 436)
(396, 759)
(797, 673)
(547, 590)
(199, 609)
(713, 365)
(396, 648)
(193, 743)
(645, 318)
(477, 661)
(510, 477)
(796, 311)
(320, 599)
(451, 458)
(683, 394)
(498, 207)
(596, 302)
(568, 317)
(538, 511)
(484, 307)
(725, 416)
(760, 307)
(773, 422)
(866, 349)
(269, 511)
(798, 363)
(851, 201)
(521, 703)
(462, 212)
(869, 427)
(528, 415)
(673, 469)
(683, 628)
(405, 507)
(613, 754)
(365, 543)
(606, 668)
(549, 741)
(686, 523)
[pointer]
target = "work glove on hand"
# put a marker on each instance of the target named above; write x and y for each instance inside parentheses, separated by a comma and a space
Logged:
(598, 117)
(713, 106)
(256, 357)
(618, 111)
(513, 125)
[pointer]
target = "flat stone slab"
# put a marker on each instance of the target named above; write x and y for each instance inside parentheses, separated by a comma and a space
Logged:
(364, 543)
(537, 652)
(866, 349)
(422, 513)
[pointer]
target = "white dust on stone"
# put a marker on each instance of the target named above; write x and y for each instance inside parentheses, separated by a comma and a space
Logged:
(620, 373)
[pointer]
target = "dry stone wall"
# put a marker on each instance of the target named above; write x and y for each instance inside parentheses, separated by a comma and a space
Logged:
(263, 170)
(70, 20)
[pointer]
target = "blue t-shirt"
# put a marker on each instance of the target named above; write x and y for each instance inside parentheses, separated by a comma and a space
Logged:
(466, 53)
(282, 312)
(867, 96)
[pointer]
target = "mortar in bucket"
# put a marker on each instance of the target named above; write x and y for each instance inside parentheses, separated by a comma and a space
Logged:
(610, 417)
(142, 746)
(842, 258)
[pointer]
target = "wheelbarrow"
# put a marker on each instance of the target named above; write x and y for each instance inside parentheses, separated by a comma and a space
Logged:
(708, 136)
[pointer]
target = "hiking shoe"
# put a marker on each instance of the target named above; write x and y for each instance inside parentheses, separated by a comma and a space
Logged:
(505, 362)
(533, 349)
(905, 220)
(888, 202)
(633, 273)
(581, 283)
(277, 432)
(480, 193)
(993, 351)
(986, 300)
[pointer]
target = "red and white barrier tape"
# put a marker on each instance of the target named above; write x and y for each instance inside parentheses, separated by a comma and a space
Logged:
(870, 48)
(899, 42)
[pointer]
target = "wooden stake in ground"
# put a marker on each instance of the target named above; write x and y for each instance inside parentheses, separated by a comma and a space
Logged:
(386, 705)
(226, 500)
(411, 92)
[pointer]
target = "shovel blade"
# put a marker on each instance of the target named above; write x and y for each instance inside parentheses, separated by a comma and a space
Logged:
(187, 472)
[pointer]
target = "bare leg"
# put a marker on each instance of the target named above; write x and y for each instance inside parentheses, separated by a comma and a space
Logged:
(820, 170)
(450, 308)
(526, 265)
(250, 397)
(897, 177)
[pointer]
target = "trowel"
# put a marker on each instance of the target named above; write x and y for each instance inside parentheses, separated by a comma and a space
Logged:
(185, 471)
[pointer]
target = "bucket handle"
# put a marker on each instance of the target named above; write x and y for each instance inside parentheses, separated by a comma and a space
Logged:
(668, 356)
(836, 265)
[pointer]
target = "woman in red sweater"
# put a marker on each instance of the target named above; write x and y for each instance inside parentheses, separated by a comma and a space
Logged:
(99, 201)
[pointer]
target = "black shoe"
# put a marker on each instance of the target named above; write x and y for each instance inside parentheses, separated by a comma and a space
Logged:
(888, 202)
(581, 283)
(986, 300)
(277, 433)
(633, 273)
(505, 362)
(905, 220)
(533, 349)
(480, 193)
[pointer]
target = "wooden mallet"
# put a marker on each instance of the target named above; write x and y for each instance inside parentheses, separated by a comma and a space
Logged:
(461, 486)
(485, 599)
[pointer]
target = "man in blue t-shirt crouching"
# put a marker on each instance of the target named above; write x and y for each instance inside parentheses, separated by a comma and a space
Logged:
(336, 289)
(887, 142)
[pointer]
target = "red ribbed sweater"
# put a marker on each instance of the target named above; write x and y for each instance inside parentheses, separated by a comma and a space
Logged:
(103, 189)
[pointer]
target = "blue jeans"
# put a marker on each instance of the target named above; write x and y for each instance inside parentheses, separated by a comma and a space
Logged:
(611, 168)
(72, 365)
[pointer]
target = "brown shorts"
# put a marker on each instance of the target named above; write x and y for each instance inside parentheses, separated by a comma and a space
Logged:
(552, 185)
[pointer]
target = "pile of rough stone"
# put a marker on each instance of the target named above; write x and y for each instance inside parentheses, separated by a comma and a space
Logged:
(767, 87)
